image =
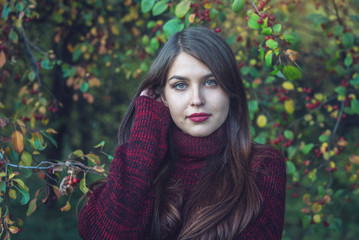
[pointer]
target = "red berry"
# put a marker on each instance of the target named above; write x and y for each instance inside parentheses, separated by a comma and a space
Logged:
(75, 180)
(246, 18)
(263, 15)
(271, 18)
(260, 21)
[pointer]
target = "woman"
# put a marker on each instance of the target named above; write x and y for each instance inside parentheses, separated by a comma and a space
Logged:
(186, 167)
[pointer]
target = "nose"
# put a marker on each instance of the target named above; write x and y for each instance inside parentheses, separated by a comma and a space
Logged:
(197, 98)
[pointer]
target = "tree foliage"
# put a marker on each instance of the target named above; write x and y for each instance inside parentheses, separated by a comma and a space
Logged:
(299, 61)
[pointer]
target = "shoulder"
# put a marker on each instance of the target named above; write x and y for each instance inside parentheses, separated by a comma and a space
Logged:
(267, 159)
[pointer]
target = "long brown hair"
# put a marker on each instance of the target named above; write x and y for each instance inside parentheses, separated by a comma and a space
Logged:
(226, 200)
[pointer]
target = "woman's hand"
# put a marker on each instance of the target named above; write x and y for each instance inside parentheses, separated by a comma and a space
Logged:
(149, 92)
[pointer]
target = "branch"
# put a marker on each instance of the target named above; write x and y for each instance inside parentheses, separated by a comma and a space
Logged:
(50, 165)
(31, 55)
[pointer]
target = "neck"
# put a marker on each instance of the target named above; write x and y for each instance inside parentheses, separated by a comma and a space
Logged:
(189, 147)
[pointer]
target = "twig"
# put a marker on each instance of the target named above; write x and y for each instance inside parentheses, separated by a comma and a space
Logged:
(31, 55)
(337, 13)
(51, 165)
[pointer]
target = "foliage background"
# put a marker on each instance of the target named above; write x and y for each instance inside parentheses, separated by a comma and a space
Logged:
(69, 68)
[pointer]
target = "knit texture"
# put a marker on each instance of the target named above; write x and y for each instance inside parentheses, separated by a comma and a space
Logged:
(122, 207)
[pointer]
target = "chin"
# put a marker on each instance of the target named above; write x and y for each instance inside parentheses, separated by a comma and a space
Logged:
(200, 133)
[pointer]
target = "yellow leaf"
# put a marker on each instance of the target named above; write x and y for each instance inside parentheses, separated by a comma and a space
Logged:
(101, 20)
(12, 194)
(306, 199)
(13, 229)
(289, 106)
(291, 54)
(50, 130)
(261, 121)
(207, 5)
(66, 208)
(32, 207)
(93, 157)
(98, 169)
(317, 218)
(288, 86)
(2, 59)
(17, 141)
(22, 126)
(191, 18)
(114, 30)
(354, 159)
(94, 82)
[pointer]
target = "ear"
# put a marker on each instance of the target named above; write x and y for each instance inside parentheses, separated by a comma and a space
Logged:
(163, 99)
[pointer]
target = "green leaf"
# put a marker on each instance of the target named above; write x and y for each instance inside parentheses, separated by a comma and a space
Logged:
(245, 70)
(172, 26)
(290, 168)
(354, 81)
(51, 139)
(25, 197)
(19, 7)
(82, 185)
(31, 76)
(146, 5)
(288, 134)
(46, 64)
(21, 184)
(323, 138)
(159, 8)
(253, 22)
(154, 44)
(292, 73)
(84, 87)
(77, 54)
(348, 60)
(32, 207)
(355, 106)
(272, 44)
(338, 30)
(261, 53)
(267, 31)
(277, 28)
(26, 159)
(288, 38)
(348, 40)
(38, 145)
(238, 5)
(13, 36)
(78, 153)
(306, 219)
(253, 105)
(6, 10)
(101, 144)
(340, 90)
(182, 8)
(151, 24)
(268, 59)
(307, 148)
(291, 152)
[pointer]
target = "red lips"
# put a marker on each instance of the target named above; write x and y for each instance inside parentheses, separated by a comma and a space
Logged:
(199, 117)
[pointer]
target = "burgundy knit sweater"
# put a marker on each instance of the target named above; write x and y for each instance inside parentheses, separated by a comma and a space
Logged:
(122, 207)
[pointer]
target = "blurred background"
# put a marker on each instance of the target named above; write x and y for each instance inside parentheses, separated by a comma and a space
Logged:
(68, 70)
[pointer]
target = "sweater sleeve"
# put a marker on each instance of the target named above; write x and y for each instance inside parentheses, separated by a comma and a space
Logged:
(122, 207)
(270, 176)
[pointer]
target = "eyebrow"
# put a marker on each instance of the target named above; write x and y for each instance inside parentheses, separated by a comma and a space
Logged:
(186, 79)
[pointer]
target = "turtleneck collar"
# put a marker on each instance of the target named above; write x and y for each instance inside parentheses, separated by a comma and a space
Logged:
(190, 148)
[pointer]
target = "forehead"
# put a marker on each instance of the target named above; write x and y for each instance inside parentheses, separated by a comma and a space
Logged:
(186, 64)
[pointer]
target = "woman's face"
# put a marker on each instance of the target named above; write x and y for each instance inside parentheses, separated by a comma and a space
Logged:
(198, 105)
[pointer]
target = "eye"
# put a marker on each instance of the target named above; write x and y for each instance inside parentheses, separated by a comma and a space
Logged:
(210, 82)
(179, 86)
